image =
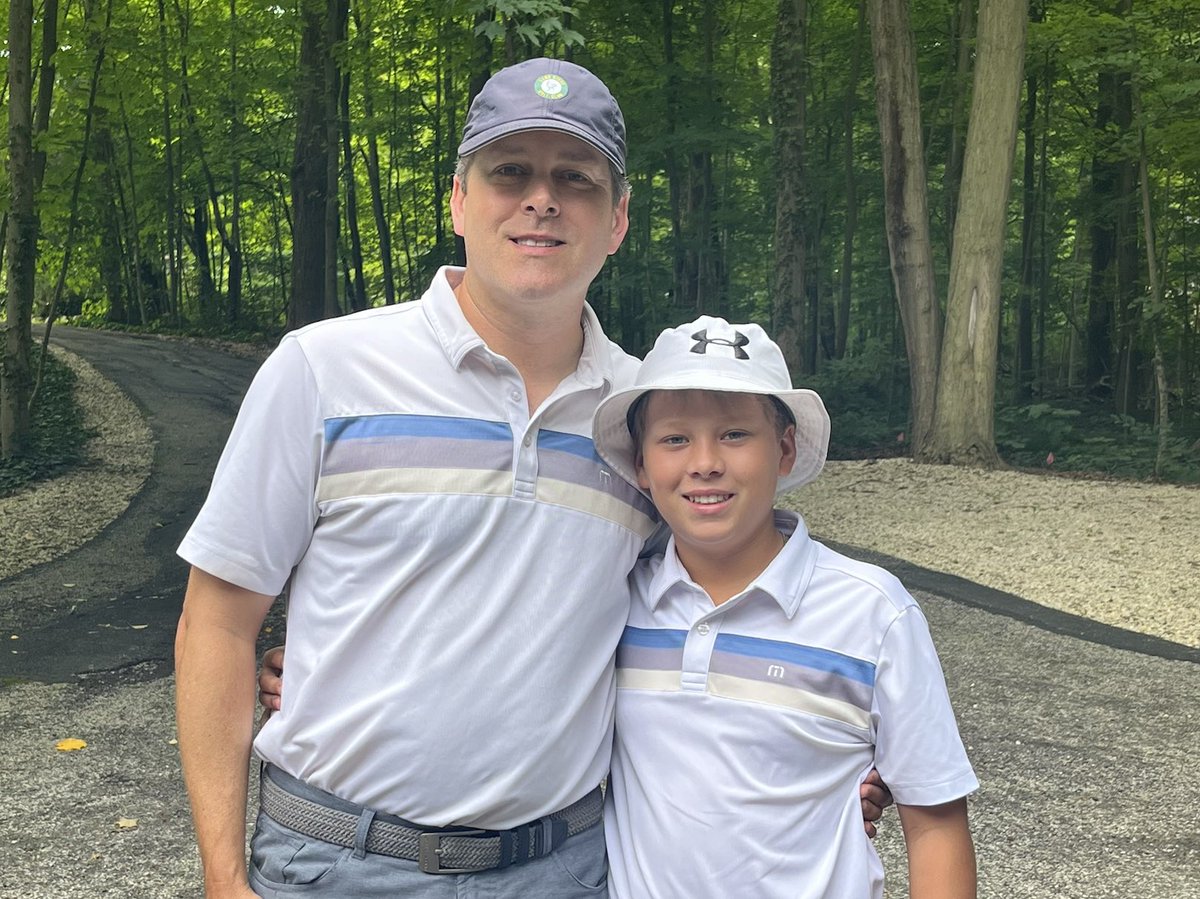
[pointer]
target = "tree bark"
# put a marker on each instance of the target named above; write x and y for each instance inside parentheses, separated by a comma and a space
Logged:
(1161, 417)
(964, 423)
(21, 240)
(788, 87)
(309, 165)
(1024, 349)
(898, 105)
(850, 107)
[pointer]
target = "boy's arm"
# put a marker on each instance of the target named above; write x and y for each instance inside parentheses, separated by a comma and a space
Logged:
(941, 856)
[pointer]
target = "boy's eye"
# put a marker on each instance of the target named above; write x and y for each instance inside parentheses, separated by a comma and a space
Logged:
(736, 435)
(674, 440)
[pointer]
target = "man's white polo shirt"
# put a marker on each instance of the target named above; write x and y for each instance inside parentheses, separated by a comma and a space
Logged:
(457, 566)
(744, 730)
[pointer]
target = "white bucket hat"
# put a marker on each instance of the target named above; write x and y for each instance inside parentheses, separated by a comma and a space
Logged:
(711, 354)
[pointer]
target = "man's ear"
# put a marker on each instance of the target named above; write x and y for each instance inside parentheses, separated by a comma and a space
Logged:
(787, 447)
(620, 224)
(457, 192)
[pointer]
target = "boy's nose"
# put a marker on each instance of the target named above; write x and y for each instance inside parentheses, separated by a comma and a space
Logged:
(705, 460)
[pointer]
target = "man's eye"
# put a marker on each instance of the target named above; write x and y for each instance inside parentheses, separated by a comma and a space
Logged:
(577, 177)
(508, 171)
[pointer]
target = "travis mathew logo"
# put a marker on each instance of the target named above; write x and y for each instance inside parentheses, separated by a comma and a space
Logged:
(703, 340)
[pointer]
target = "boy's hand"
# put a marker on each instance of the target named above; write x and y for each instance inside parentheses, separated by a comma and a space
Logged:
(873, 792)
(270, 681)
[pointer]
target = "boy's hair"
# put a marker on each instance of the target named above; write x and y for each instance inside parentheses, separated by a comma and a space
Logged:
(635, 418)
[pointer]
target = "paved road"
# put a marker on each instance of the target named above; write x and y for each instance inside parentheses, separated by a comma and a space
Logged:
(1081, 735)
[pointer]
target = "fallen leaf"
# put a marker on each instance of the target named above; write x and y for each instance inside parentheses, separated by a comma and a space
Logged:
(70, 744)
(172, 742)
(127, 823)
(14, 637)
(139, 627)
(68, 585)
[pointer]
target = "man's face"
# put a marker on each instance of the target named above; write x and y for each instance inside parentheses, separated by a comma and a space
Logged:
(711, 462)
(537, 218)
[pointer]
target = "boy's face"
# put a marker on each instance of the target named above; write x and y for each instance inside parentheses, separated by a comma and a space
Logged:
(711, 462)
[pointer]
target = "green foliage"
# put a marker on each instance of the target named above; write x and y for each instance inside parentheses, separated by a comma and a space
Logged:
(867, 398)
(58, 432)
(1086, 438)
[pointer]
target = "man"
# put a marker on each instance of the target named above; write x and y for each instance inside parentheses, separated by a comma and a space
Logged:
(422, 478)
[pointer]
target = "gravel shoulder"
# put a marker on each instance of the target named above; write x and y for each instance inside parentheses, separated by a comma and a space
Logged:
(1119, 552)
(55, 516)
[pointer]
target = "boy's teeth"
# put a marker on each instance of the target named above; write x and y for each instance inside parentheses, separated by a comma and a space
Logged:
(710, 499)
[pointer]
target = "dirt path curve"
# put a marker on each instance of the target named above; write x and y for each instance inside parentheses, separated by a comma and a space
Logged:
(126, 585)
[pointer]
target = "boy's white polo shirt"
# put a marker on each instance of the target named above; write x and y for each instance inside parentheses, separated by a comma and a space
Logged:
(457, 566)
(744, 730)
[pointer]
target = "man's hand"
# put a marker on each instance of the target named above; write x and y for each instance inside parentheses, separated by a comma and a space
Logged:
(873, 792)
(270, 680)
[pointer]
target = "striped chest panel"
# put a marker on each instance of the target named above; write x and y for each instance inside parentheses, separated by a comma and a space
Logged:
(388, 455)
(808, 679)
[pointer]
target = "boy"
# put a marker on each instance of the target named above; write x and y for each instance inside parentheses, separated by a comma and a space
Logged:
(761, 675)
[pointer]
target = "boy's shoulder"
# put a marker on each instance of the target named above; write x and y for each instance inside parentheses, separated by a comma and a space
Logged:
(833, 569)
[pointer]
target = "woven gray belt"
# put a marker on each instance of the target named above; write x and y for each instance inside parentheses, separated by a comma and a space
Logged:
(436, 850)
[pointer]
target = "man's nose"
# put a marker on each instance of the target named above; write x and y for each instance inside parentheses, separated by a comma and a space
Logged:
(541, 199)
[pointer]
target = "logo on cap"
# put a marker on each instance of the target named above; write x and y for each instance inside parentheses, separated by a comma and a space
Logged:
(550, 87)
(703, 340)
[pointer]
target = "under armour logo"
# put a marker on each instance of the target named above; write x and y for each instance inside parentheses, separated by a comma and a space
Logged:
(739, 340)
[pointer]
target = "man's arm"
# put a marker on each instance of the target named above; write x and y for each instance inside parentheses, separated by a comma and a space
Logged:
(941, 856)
(214, 699)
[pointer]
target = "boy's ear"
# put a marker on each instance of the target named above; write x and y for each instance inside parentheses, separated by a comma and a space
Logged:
(787, 446)
(638, 467)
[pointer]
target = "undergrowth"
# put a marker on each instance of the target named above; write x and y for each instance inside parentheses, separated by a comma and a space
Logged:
(58, 433)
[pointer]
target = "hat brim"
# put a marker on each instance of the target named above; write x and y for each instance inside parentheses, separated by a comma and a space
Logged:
(519, 126)
(614, 443)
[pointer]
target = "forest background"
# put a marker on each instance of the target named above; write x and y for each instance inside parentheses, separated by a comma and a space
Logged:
(970, 223)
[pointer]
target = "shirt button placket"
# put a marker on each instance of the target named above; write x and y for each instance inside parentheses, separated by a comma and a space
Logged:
(697, 655)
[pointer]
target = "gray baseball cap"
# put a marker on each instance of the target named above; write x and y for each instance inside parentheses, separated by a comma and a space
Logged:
(546, 94)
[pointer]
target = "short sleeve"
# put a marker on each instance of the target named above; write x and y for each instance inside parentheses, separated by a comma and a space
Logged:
(261, 509)
(918, 750)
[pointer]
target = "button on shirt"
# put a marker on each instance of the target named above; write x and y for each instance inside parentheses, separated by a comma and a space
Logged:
(744, 730)
(457, 565)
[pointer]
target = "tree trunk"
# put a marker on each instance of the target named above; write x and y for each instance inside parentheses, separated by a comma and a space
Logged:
(21, 240)
(382, 228)
(45, 94)
(1161, 418)
(850, 107)
(898, 105)
(357, 298)
(333, 34)
(964, 423)
(309, 172)
(1024, 349)
(174, 217)
(788, 87)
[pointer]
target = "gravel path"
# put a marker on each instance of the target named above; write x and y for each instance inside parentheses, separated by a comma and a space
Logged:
(1123, 553)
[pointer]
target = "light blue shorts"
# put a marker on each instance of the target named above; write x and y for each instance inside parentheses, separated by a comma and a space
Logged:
(284, 863)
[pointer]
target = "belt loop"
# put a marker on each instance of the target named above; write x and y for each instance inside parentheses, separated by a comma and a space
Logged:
(362, 832)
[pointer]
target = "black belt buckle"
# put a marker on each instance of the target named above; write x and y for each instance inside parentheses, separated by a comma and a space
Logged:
(429, 854)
